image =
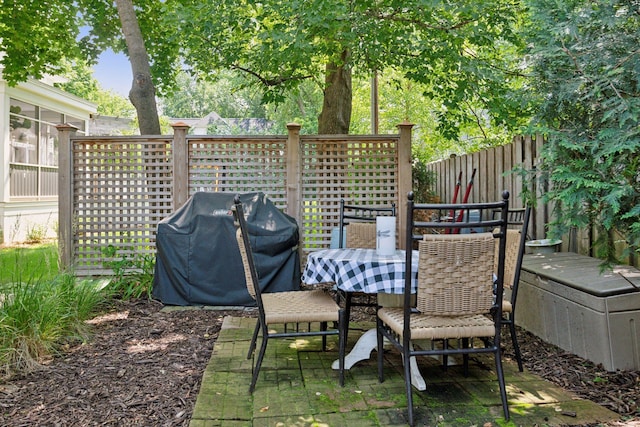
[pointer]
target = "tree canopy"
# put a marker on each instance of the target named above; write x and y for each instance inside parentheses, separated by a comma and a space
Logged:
(37, 37)
(462, 52)
(229, 95)
(467, 58)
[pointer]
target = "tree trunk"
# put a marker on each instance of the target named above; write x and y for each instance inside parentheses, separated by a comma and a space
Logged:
(142, 93)
(336, 106)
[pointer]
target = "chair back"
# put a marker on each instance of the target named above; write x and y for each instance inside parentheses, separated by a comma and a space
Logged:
(455, 274)
(456, 261)
(242, 237)
(515, 216)
(361, 235)
(510, 257)
(359, 223)
(515, 247)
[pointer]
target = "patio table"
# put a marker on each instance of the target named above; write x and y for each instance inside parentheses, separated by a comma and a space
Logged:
(359, 270)
(363, 270)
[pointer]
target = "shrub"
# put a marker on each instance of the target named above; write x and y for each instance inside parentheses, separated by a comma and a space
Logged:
(36, 233)
(132, 274)
(37, 317)
(424, 181)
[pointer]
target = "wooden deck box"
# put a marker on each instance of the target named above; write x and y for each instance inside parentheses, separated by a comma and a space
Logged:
(565, 300)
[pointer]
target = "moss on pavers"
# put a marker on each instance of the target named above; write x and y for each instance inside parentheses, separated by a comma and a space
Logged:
(576, 412)
(453, 415)
(270, 401)
(301, 421)
(230, 356)
(318, 359)
(220, 423)
(236, 329)
(298, 387)
(326, 398)
(536, 391)
(224, 395)
(356, 418)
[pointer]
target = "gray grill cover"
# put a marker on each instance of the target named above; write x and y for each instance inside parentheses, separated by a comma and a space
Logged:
(198, 261)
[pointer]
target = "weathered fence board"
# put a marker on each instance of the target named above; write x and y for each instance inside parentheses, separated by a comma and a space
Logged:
(492, 176)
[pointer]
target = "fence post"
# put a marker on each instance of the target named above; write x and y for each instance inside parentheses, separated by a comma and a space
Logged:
(293, 187)
(180, 164)
(405, 178)
(65, 195)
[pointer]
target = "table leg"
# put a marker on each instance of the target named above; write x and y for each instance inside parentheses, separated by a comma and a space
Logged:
(362, 351)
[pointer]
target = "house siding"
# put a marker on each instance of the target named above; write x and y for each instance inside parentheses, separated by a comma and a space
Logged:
(29, 217)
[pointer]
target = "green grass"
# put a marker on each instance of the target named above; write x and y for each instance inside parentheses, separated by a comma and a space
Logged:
(28, 263)
(40, 308)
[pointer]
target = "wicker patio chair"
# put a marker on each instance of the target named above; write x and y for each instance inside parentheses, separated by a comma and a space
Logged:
(456, 293)
(515, 217)
(514, 254)
(359, 225)
(316, 307)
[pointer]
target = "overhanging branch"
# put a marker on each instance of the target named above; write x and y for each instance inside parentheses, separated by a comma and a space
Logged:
(270, 82)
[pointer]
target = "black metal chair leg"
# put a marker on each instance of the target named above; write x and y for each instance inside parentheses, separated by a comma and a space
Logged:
(323, 328)
(380, 350)
(465, 358)
(343, 321)
(503, 388)
(516, 346)
(252, 346)
(347, 310)
(445, 357)
(256, 370)
(407, 382)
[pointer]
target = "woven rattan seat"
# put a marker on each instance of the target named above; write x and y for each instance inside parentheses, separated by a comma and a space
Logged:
(284, 308)
(299, 306)
(445, 287)
(439, 327)
(456, 292)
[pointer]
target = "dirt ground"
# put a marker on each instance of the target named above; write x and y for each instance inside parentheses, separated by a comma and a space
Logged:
(143, 367)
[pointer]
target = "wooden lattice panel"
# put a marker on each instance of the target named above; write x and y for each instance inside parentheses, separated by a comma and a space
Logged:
(121, 190)
(239, 165)
(123, 186)
(362, 171)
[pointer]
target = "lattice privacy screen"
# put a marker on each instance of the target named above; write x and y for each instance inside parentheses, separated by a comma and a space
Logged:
(123, 186)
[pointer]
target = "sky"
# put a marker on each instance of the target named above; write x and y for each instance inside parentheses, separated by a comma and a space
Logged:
(113, 71)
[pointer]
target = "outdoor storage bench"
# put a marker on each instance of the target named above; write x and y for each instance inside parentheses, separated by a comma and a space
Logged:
(565, 300)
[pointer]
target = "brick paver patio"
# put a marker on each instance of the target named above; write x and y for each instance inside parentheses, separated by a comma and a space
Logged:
(297, 387)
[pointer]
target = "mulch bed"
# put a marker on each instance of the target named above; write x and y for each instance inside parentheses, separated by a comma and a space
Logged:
(144, 367)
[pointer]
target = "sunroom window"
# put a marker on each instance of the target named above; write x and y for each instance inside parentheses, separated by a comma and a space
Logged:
(33, 156)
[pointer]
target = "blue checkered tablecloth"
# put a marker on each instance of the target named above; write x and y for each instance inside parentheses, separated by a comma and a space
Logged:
(359, 270)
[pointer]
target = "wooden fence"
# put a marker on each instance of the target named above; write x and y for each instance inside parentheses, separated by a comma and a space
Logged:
(113, 191)
(493, 175)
